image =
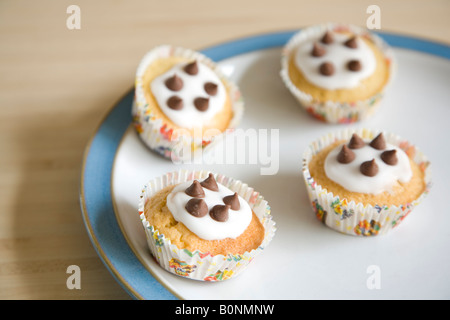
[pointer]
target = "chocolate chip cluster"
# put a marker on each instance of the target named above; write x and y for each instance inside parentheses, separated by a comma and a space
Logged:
(198, 207)
(327, 68)
(368, 168)
(175, 83)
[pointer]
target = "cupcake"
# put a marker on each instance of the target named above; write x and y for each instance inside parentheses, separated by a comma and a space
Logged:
(364, 182)
(204, 226)
(338, 73)
(182, 102)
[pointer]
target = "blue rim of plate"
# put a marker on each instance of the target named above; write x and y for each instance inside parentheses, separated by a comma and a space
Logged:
(95, 190)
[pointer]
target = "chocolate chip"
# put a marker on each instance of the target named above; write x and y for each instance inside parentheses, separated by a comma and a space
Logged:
(326, 69)
(175, 103)
(174, 83)
(195, 190)
(345, 155)
(378, 143)
(390, 157)
(354, 65)
(197, 207)
(232, 201)
(210, 183)
(369, 168)
(201, 104)
(210, 88)
(191, 68)
(351, 43)
(356, 142)
(220, 212)
(327, 38)
(317, 50)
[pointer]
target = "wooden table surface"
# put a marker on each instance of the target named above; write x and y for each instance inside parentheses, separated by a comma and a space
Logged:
(56, 85)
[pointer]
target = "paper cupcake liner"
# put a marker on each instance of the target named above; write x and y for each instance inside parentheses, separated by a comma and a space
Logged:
(154, 132)
(199, 265)
(331, 111)
(357, 218)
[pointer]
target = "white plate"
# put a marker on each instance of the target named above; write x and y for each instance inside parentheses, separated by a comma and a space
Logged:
(306, 260)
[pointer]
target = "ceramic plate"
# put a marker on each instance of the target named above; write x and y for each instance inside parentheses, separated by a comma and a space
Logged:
(306, 260)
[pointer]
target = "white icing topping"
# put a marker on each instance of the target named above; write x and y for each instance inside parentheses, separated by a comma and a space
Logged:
(193, 87)
(205, 227)
(339, 55)
(350, 177)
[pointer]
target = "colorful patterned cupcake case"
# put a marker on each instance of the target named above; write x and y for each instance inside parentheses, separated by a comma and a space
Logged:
(358, 218)
(332, 111)
(199, 265)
